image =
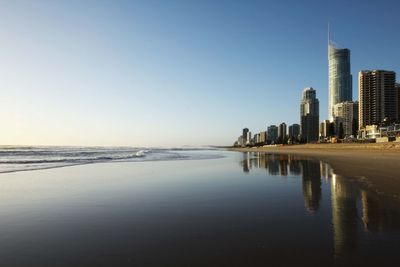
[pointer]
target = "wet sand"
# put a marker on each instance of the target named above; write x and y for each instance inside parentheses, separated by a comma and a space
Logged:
(375, 165)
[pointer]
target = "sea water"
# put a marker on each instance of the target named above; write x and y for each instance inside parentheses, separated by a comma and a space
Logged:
(227, 209)
(22, 158)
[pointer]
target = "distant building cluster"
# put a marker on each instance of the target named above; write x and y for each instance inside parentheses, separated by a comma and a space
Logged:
(374, 117)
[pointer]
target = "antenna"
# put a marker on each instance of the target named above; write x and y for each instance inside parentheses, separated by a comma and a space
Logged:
(329, 34)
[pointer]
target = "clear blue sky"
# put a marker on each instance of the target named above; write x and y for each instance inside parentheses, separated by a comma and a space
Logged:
(171, 73)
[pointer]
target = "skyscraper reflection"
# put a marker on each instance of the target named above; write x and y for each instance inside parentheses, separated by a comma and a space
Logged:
(356, 213)
(378, 215)
(246, 162)
(279, 165)
(326, 171)
(273, 165)
(344, 215)
(283, 164)
(311, 183)
(294, 166)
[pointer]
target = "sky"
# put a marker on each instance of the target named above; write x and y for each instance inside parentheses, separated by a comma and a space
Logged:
(174, 73)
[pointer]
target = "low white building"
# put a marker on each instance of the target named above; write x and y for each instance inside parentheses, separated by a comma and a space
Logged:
(369, 132)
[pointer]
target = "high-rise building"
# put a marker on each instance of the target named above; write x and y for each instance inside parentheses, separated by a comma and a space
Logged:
(340, 78)
(263, 137)
(309, 115)
(346, 118)
(248, 138)
(294, 131)
(282, 132)
(377, 97)
(245, 136)
(245, 131)
(397, 88)
(256, 138)
(356, 117)
(260, 138)
(272, 133)
(325, 129)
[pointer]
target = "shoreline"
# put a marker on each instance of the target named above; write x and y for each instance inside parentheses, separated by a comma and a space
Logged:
(374, 165)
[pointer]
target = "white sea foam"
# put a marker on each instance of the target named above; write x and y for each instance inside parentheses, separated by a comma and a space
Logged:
(22, 158)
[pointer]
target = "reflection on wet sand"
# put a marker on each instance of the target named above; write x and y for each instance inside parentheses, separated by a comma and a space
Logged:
(344, 215)
(311, 182)
(310, 171)
(354, 209)
(376, 216)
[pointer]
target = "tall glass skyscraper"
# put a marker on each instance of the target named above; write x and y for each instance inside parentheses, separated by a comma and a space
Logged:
(340, 78)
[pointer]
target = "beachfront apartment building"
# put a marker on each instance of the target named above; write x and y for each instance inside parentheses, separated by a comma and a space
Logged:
(309, 116)
(340, 78)
(272, 133)
(294, 131)
(245, 136)
(397, 89)
(263, 137)
(377, 97)
(325, 129)
(260, 138)
(244, 139)
(346, 119)
(282, 132)
(256, 139)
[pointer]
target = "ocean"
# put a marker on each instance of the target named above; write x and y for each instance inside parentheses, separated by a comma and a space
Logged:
(188, 207)
(24, 158)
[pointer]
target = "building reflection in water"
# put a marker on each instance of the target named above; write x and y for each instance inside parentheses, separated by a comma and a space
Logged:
(294, 166)
(281, 164)
(326, 171)
(377, 215)
(344, 215)
(354, 210)
(246, 162)
(273, 165)
(311, 182)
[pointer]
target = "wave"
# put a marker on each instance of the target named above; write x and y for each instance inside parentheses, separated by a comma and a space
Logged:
(141, 153)
(33, 158)
(77, 160)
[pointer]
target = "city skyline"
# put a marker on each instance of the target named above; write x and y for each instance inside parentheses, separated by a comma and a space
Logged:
(157, 74)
